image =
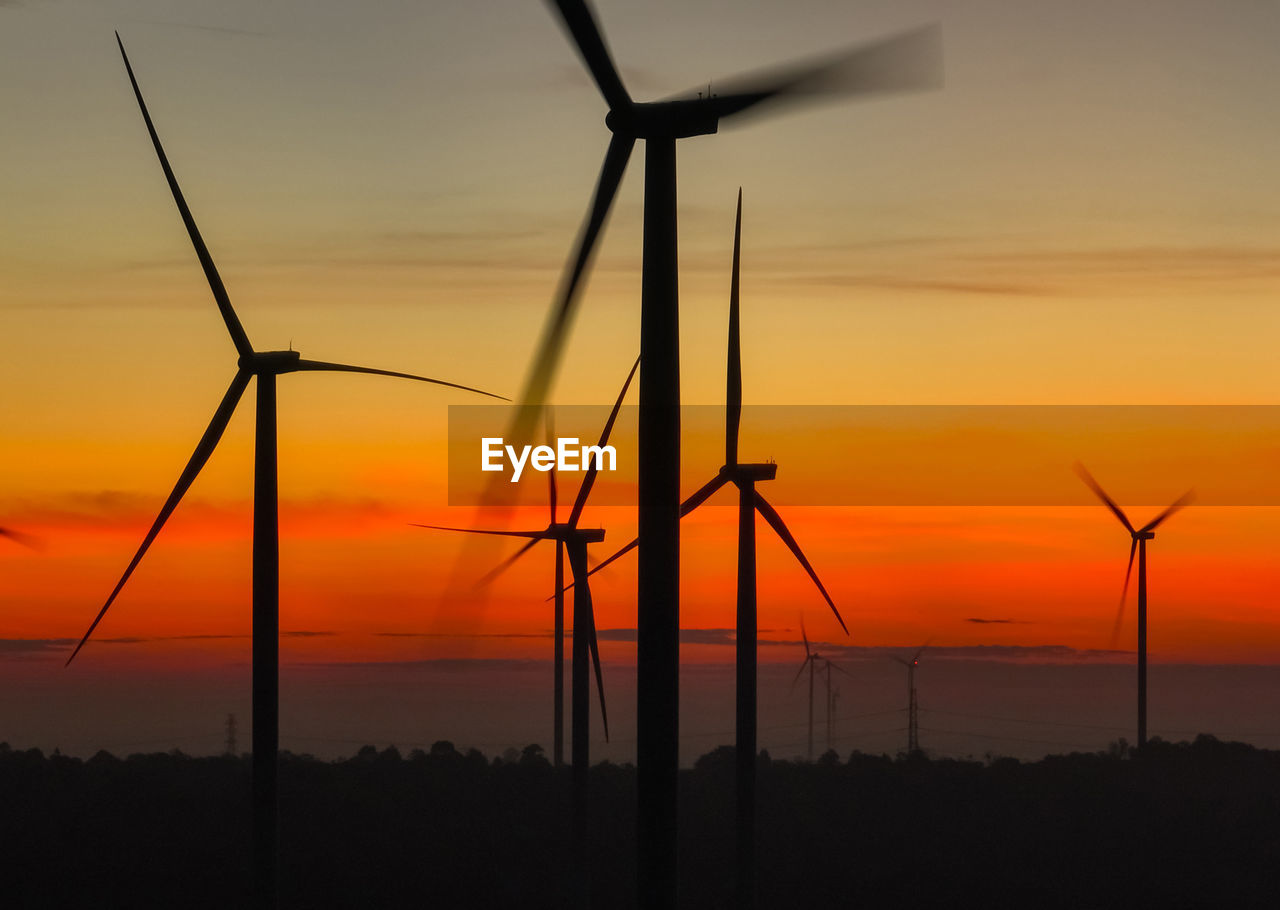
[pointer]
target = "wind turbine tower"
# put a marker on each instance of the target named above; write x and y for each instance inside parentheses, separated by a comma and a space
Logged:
(913, 722)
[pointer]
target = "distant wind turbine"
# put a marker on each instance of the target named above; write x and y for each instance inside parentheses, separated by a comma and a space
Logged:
(573, 540)
(913, 711)
(265, 366)
(811, 660)
(1138, 542)
(904, 62)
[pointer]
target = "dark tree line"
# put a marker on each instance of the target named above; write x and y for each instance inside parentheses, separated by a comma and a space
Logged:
(1179, 825)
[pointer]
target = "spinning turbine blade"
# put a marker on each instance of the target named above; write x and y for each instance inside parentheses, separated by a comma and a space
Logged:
(238, 336)
(587, 39)
(589, 481)
(551, 475)
(551, 345)
(1183, 501)
(907, 61)
(733, 382)
(915, 657)
(204, 448)
(319, 366)
(25, 540)
(804, 635)
(497, 570)
(780, 528)
(1101, 494)
(1124, 592)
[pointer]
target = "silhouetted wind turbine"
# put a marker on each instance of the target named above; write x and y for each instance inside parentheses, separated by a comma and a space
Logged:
(903, 62)
(569, 537)
(265, 366)
(750, 500)
(833, 692)
(913, 727)
(1138, 542)
(810, 663)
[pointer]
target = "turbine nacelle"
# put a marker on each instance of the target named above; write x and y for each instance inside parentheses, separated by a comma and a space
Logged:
(262, 363)
(568, 532)
(749, 472)
(1144, 535)
(665, 119)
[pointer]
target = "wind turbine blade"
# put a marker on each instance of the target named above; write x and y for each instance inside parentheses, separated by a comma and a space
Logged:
(320, 366)
(493, 573)
(582, 27)
(1124, 592)
(536, 535)
(589, 481)
(835, 666)
(697, 499)
(901, 660)
(204, 448)
(551, 475)
(702, 494)
(920, 650)
(804, 663)
(551, 345)
(733, 381)
(780, 528)
(906, 62)
(25, 540)
(1101, 494)
(805, 635)
(595, 659)
(238, 336)
(1183, 501)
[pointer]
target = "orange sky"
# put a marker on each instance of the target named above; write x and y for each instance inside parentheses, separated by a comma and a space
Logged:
(1085, 215)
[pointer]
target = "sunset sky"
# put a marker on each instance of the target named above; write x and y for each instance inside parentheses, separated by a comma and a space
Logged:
(1085, 214)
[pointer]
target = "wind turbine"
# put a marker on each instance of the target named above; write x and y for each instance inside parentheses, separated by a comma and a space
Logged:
(573, 540)
(902, 62)
(750, 501)
(265, 366)
(810, 663)
(913, 727)
(1138, 542)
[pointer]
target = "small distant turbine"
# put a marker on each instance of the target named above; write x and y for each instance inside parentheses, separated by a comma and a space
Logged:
(913, 727)
(1138, 542)
(810, 662)
(265, 366)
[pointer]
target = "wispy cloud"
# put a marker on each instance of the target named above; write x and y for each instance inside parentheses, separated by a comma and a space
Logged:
(194, 26)
(11, 647)
(982, 621)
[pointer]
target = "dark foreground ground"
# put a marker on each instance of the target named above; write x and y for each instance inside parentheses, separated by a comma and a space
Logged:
(1186, 825)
